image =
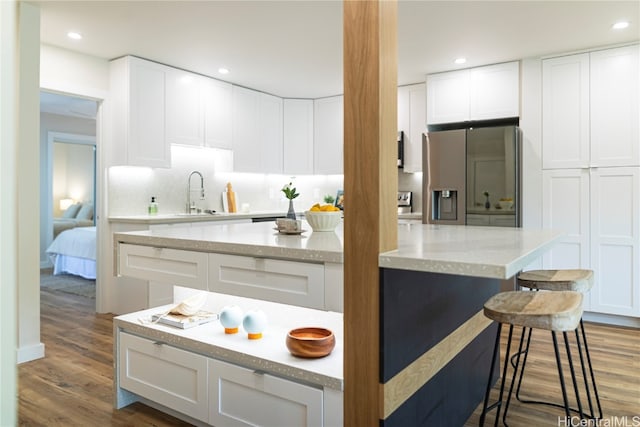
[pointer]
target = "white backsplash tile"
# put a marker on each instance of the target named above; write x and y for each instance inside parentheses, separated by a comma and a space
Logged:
(131, 188)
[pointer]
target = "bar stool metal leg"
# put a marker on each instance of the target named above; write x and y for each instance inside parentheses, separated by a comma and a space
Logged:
(560, 375)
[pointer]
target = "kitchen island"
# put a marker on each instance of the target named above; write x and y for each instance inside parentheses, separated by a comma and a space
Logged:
(435, 343)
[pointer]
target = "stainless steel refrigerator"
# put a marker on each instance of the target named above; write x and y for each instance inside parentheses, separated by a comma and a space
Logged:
(472, 176)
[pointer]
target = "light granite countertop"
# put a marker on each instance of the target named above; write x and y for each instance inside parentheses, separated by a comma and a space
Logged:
(268, 354)
(495, 252)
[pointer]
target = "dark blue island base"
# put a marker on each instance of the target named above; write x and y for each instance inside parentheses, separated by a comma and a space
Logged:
(434, 338)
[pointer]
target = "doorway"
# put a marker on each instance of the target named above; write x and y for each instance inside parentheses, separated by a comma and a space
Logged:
(69, 191)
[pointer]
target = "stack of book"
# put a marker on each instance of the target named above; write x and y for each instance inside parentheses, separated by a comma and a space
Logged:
(185, 322)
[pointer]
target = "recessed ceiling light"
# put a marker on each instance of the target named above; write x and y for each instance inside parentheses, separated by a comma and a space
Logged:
(620, 25)
(74, 35)
(460, 60)
(223, 70)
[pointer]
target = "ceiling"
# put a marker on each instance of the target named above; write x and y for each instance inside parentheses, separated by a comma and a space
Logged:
(293, 49)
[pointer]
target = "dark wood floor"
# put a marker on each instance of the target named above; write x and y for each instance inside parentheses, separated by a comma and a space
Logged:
(72, 385)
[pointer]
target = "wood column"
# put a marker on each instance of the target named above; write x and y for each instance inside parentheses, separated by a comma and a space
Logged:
(371, 185)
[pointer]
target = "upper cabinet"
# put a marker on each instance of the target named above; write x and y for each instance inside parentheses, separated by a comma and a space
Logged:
(614, 94)
(565, 112)
(494, 91)
(137, 92)
(590, 109)
(412, 121)
(448, 97)
(328, 114)
(185, 107)
(270, 133)
(480, 93)
(257, 131)
(298, 136)
(198, 110)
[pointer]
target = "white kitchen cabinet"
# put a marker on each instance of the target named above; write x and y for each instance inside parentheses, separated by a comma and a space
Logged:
(176, 267)
(412, 120)
(246, 144)
(198, 110)
(599, 210)
(257, 132)
(481, 93)
(243, 397)
(270, 133)
(165, 374)
(448, 97)
(298, 136)
(494, 91)
(590, 163)
(615, 117)
(185, 108)
(288, 282)
(590, 109)
(328, 136)
(565, 207)
(615, 240)
(138, 115)
(565, 112)
(217, 114)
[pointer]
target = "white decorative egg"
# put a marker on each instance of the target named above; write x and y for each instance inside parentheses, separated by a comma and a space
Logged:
(255, 322)
(230, 318)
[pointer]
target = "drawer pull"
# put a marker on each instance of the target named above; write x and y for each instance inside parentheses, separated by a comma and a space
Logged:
(158, 343)
(258, 372)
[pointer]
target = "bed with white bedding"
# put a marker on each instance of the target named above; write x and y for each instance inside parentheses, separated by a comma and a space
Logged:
(74, 252)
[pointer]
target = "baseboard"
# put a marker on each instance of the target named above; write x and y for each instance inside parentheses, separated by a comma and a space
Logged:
(611, 319)
(45, 264)
(32, 352)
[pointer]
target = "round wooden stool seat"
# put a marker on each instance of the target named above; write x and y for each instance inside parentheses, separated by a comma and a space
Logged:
(553, 311)
(557, 280)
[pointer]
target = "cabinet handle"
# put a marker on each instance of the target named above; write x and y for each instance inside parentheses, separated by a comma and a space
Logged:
(258, 372)
(158, 343)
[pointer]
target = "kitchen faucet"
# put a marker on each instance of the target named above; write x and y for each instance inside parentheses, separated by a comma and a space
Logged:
(190, 207)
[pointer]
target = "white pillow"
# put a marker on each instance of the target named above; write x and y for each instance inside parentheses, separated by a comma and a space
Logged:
(72, 211)
(86, 212)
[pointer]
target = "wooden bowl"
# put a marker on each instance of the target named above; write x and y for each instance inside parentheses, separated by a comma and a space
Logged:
(310, 342)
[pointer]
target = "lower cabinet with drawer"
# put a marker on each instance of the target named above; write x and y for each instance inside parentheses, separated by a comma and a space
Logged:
(165, 374)
(206, 391)
(288, 282)
(243, 397)
(177, 267)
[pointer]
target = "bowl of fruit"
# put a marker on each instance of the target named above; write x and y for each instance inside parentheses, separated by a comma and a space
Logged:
(505, 203)
(323, 217)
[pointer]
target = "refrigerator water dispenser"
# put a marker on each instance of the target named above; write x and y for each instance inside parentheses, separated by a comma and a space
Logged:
(445, 204)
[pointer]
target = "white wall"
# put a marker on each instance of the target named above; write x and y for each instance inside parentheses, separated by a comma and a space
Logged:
(28, 185)
(73, 73)
(72, 174)
(8, 243)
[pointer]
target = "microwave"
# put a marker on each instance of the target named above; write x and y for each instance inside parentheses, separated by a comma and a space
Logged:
(400, 149)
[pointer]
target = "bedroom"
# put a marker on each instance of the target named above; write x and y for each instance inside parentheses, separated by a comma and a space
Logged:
(68, 190)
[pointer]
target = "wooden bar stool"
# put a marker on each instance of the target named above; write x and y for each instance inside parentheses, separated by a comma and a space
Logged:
(553, 311)
(579, 280)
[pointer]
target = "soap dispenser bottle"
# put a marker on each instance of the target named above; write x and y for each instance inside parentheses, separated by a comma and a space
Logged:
(153, 206)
